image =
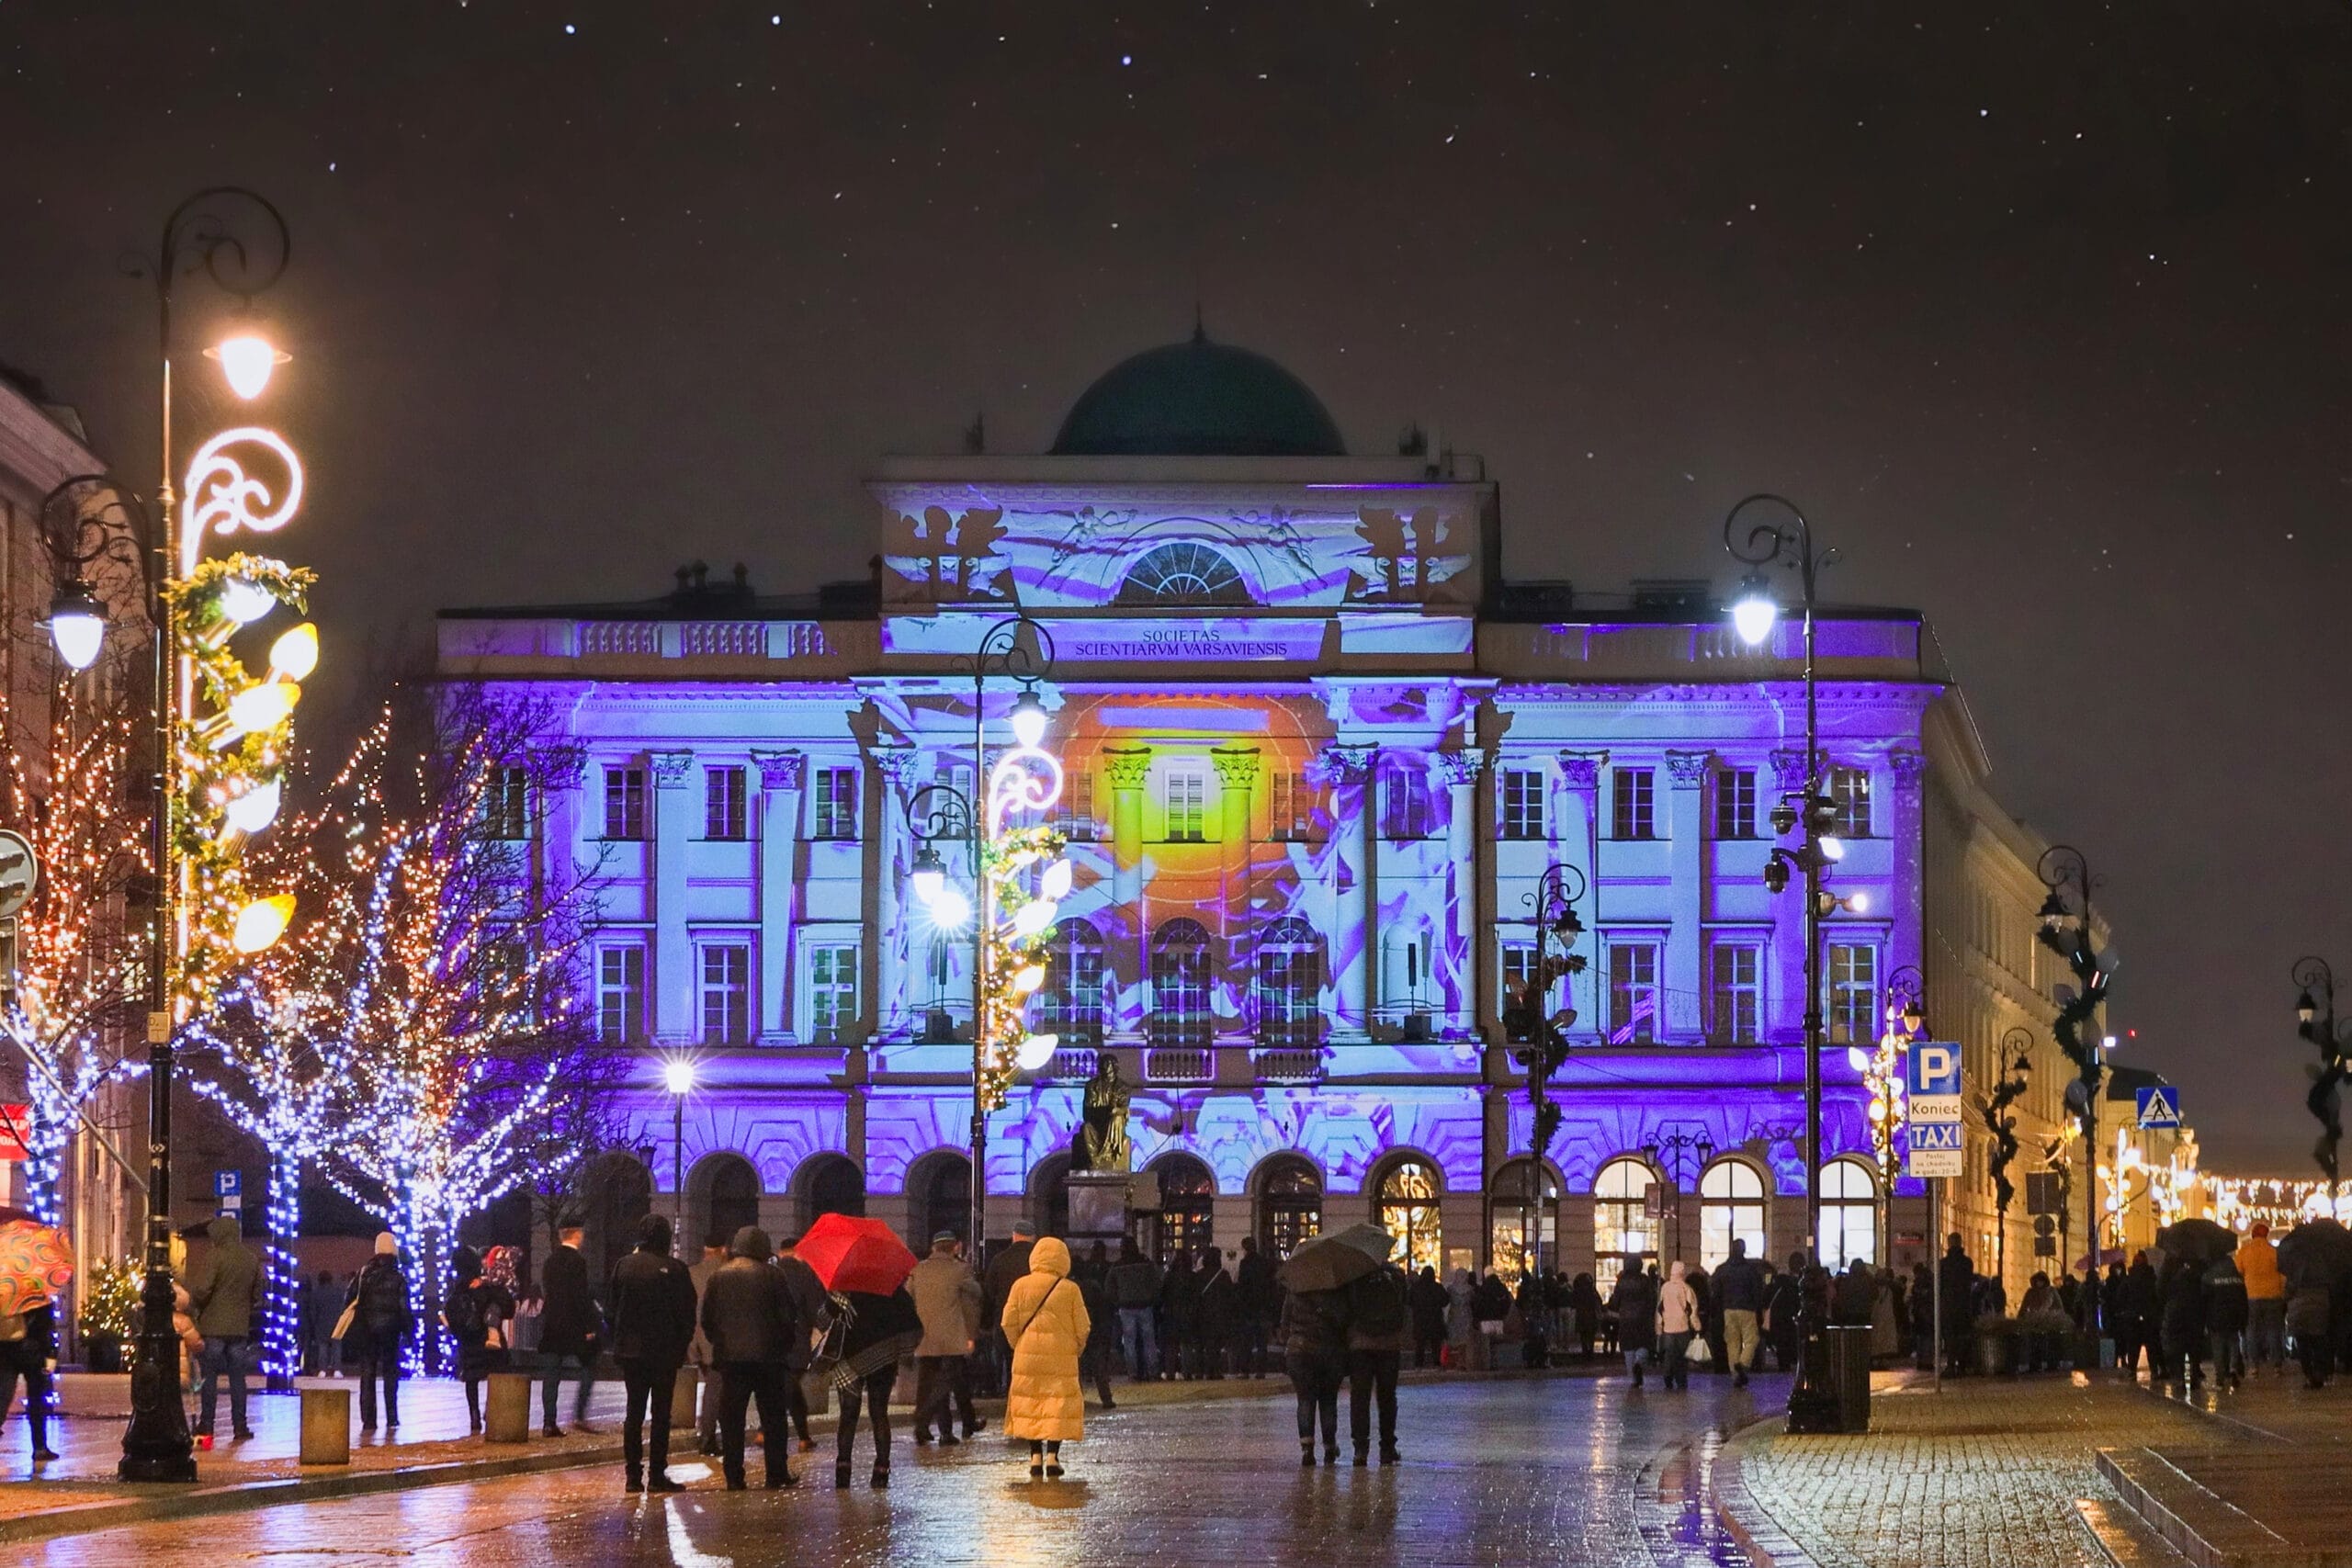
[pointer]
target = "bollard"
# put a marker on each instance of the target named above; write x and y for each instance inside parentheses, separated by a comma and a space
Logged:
(682, 1403)
(326, 1425)
(508, 1419)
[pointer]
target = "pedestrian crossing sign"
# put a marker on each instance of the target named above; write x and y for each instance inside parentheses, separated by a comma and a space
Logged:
(2160, 1106)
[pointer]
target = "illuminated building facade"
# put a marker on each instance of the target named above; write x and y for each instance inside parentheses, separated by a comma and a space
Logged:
(1318, 753)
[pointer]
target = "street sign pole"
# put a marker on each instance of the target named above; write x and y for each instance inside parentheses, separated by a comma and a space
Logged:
(1932, 1150)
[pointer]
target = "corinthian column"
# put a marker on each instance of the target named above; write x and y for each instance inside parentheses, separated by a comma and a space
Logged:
(1454, 964)
(1355, 954)
(896, 765)
(674, 951)
(1236, 772)
(1130, 960)
(1686, 863)
(1579, 846)
(780, 783)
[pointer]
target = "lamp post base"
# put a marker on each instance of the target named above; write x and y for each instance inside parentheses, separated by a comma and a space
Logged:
(1812, 1403)
(158, 1446)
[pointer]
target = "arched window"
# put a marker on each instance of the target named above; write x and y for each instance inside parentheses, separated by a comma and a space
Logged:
(616, 1193)
(1620, 1223)
(1187, 1206)
(722, 1197)
(1049, 1195)
(1179, 984)
(1071, 1005)
(1731, 1207)
(1290, 984)
(1523, 1226)
(939, 1197)
(1404, 1206)
(832, 1185)
(1185, 572)
(1290, 1204)
(1848, 1214)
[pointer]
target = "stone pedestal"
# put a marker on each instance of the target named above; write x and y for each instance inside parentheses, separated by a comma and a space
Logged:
(507, 1418)
(326, 1425)
(1098, 1207)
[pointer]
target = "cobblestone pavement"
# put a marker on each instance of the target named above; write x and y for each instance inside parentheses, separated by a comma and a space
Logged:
(1504, 1472)
(1986, 1475)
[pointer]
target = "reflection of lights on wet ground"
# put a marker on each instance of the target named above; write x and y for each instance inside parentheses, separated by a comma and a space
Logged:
(683, 1552)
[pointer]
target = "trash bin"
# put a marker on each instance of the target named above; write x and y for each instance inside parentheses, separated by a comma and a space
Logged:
(326, 1425)
(1850, 1375)
(508, 1419)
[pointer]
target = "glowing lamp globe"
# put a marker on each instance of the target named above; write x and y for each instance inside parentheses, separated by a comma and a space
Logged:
(1036, 1051)
(244, 601)
(262, 922)
(1860, 903)
(951, 909)
(247, 360)
(296, 653)
(265, 707)
(1755, 613)
(256, 809)
(78, 625)
(1833, 847)
(678, 1075)
(929, 877)
(1028, 978)
(1028, 719)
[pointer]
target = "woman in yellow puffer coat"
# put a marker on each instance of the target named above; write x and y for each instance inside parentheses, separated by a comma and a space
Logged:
(1047, 1325)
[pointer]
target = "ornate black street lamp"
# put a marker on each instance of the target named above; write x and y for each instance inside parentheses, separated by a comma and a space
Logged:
(2017, 1072)
(2066, 931)
(1528, 1017)
(2316, 1022)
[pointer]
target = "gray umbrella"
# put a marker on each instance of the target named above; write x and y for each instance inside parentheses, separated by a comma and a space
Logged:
(1329, 1261)
(2196, 1241)
(2316, 1252)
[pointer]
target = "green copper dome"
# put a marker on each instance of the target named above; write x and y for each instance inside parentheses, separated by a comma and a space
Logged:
(1198, 399)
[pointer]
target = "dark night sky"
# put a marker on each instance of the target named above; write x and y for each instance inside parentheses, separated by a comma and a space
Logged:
(2040, 310)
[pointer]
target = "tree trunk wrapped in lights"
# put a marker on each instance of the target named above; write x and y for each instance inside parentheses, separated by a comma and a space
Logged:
(79, 965)
(444, 961)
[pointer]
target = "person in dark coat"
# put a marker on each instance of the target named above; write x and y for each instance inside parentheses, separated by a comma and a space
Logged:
(2182, 1316)
(1958, 1281)
(1253, 1306)
(225, 1298)
(2122, 1324)
(380, 1321)
(1920, 1304)
(1136, 1284)
(1213, 1328)
(1852, 1295)
(1635, 1301)
(882, 1330)
(1180, 1312)
(1429, 1301)
(1781, 1328)
(813, 1307)
(27, 1345)
(654, 1324)
(1379, 1321)
(322, 1305)
(1091, 1275)
(1739, 1308)
(1315, 1349)
(476, 1312)
(1006, 1270)
(570, 1329)
(2308, 1298)
(2142, 1299)
(1584, 1306)
(2226, 1313)
(753, 1324)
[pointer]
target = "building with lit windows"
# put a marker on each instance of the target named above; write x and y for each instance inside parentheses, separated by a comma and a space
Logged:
(1318, 752)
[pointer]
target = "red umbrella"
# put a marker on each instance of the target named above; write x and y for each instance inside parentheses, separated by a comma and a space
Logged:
(856, 1254)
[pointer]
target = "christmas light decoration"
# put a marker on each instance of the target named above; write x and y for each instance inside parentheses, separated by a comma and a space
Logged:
(1027, 782)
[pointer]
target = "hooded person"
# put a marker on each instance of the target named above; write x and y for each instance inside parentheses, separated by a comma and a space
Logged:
(751, 1318)
(224, 1297)
(653, 1323)
(1045, 1323)
(1678, 1323)
(477, 1310)
(380, 1321)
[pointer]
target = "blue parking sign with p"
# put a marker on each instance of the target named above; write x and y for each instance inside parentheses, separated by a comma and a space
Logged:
(1932, 1068)
(228, 1183)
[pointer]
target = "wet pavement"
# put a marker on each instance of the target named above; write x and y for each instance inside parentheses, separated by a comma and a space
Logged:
(1510, 1471)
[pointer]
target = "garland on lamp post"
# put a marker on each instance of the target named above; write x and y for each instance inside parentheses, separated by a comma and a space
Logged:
(2315, 1023)
(2060, 868)
(2017, 1073)
(1527, 1018)
(1881, 1071)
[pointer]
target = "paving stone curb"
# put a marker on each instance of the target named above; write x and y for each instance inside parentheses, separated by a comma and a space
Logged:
(1759, 1535)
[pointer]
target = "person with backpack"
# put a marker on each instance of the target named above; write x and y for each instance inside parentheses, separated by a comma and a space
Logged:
(2226, 1313)
(1379, 1322)
(381, 1322)
(476, 1313)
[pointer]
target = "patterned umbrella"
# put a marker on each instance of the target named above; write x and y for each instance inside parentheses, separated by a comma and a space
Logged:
(856, 1254)
(1327, 1262)
(36, 1264)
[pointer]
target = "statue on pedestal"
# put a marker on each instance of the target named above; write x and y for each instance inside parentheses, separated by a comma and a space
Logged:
(1101, 1143)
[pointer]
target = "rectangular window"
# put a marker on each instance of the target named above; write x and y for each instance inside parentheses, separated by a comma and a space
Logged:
(1736, 994)
(1850, 789)
(1291, 813)
(1736, 802)
(1519, 972)
(724, 812)
(1632, 804)
(620, 996)
(1185, 799)
(1074, 813)
(505, 998)
(506, 802)
(1289, 982)
(1522, 804)
(625, 802)
(726, 993)
(1633, 993)
(1405, 808)
(832, 991)
(837, 803)
(1853, 994)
